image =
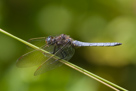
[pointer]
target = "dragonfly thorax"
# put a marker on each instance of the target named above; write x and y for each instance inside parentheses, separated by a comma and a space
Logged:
(59, 40)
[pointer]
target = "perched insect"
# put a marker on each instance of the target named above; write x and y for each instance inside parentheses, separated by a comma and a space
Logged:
(61, 46)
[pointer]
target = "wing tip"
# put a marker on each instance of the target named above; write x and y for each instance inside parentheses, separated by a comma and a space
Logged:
(36, 72)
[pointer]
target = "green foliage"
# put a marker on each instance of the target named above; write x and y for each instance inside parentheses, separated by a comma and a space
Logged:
(91, 21)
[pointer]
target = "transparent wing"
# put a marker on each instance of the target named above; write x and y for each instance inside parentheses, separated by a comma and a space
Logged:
(31, 59)
(65, 53)
(40, 41)
(34, 57)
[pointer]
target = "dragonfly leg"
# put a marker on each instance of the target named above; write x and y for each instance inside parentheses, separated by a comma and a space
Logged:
(62, 52)
(54, 50)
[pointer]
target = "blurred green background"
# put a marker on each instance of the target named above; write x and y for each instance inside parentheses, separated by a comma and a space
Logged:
(84, 20)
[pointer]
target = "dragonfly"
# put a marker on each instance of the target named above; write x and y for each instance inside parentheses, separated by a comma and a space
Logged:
(62, 46)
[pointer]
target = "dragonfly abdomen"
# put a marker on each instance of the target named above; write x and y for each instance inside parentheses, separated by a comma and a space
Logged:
(79, 44)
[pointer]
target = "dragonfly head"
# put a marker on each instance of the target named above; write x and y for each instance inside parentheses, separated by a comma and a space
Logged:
(49, 40)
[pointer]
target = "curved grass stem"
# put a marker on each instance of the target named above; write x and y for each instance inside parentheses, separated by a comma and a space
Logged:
(83, 71)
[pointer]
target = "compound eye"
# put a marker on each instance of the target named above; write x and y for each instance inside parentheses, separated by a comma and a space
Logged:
(49, 39)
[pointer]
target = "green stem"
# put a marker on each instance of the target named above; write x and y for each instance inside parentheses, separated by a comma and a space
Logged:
(98, 78)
